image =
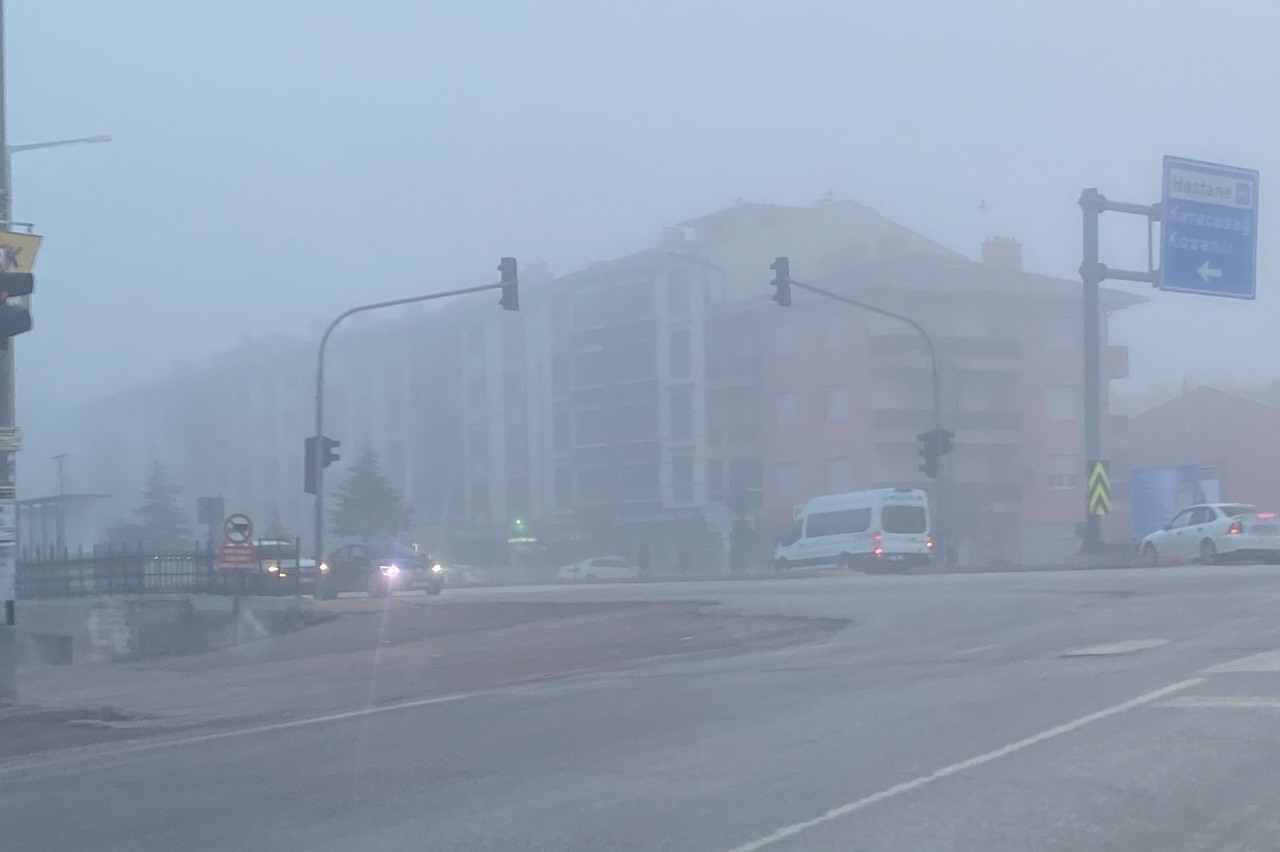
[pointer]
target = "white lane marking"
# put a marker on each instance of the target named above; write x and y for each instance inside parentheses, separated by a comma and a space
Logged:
(1208, 702)
(1115, 648)
(978, 650)
(153, 745)
(1004, 751)
(1267, 661)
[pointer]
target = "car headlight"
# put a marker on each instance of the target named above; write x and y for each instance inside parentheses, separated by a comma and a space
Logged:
(273, 568)
(437, 568)
(389, 570)
(324, 568)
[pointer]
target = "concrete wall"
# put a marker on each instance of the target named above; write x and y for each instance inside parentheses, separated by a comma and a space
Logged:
(106, 628)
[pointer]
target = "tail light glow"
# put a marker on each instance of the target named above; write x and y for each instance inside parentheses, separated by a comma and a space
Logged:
(1236, 528)
(878, 549)
(928, 542)
(1269, 516)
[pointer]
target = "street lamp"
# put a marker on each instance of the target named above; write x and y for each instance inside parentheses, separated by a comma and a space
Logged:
(10, 150)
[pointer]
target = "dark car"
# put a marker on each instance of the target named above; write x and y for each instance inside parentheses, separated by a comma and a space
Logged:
(378, 571)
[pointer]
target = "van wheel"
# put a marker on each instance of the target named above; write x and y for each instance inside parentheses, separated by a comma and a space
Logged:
(781, 565)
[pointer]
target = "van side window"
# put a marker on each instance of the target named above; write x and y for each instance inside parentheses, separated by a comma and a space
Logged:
(838, 523)
(792, 533)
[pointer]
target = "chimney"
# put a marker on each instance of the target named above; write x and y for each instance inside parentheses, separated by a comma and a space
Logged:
(1002, 252)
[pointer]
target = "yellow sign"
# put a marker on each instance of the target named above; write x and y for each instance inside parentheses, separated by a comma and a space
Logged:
(18, 251)
(1099, 487)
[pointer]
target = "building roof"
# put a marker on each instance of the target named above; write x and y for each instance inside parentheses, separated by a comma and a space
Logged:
(1209, 397)
(931, 271)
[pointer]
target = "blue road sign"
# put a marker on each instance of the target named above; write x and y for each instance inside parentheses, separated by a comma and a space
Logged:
(1209, 225)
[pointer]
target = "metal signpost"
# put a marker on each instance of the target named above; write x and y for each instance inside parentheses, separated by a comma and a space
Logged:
(1208, 245)
(237, 552)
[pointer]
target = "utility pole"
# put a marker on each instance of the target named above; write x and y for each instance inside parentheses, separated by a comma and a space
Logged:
(8, 555)
(61, 458)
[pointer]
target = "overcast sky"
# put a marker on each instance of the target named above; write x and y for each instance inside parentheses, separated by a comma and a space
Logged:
(278, 160)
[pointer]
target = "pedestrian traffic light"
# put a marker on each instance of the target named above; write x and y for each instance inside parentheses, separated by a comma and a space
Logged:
(15, 319)
(317, 454)
(510, 300)
(781, 267)
(929, 452)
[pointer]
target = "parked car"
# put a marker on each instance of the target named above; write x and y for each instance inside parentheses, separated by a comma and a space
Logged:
(1216, 532)
(282, 569)
(600, 568)
(378, 571)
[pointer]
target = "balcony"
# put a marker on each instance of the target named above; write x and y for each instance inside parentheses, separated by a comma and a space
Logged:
(948, 347)
(967, 421)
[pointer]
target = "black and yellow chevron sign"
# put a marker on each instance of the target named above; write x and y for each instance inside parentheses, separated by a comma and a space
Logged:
(1098, 488)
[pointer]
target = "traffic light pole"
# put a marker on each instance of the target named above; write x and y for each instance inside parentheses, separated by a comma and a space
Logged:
(324, 341)
(935, 388)
(935, 383)
(8, 594)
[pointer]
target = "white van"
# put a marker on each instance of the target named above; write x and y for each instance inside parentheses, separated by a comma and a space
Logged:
(887, 527)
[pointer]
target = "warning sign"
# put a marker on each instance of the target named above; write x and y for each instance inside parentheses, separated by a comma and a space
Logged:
(1098, 487)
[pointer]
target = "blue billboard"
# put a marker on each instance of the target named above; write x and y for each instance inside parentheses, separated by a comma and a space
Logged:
(1156, 494)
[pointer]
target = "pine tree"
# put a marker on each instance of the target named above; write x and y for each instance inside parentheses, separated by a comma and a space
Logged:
(368, 507)
(161, 522)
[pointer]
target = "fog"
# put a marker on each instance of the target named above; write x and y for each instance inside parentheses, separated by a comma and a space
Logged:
(275, 163)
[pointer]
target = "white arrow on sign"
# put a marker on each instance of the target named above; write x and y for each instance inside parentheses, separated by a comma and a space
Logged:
(1206, 272)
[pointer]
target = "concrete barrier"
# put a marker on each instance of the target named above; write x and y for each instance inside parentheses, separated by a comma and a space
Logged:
(59, 631)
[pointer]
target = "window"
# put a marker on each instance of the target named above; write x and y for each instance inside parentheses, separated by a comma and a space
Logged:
(635, 420)
(1060, 402)
(678, 296)
(715, 477)
(682, 479)
(590, 426)
(681, 354)
(634, 359)
(835, 331)
(1060, 332)
(478, 444)
(681, 413)
(1063, 471)
(839, 405)
(561, 438)
(1202, 515)
(590, 369)
(784, 339)
(787, 475)
(594, 484)
(640, 482)
(788, 408)
(1181, 519)
(480, 498)
(476, 391)
(903, 519)
(792, 534)
(564, 487)
(843, 522)
(839, 476)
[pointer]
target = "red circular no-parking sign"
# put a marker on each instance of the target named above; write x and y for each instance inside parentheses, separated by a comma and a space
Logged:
(237, 529)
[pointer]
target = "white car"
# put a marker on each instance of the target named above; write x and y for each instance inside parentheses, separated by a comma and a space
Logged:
(600, 568)
(1214, 532)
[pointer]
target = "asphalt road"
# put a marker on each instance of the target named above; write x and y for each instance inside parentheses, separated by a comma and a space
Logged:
(1076, 710)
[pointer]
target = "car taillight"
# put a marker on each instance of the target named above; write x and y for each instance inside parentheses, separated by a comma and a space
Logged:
(1236, 528)
(878, 549)
(928, 542)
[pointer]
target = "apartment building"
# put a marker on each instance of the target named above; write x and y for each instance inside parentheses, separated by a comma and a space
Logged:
(848, 391)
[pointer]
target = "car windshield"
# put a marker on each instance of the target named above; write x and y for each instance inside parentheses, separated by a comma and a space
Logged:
(794, 398)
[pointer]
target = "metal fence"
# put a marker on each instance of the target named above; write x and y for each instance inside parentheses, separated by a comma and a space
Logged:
(124, 571)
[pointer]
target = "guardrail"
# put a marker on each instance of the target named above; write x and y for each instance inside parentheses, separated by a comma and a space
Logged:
(120, 571)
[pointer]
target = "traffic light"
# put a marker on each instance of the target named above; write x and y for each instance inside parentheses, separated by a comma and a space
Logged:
(15, 319)
(929, 452)
(934, 444)
(327, 454)
(510, 300)
(946, 441)
(317, 453)
(781, 267)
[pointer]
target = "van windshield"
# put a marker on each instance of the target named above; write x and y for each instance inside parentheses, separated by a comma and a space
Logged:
(903, 519)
